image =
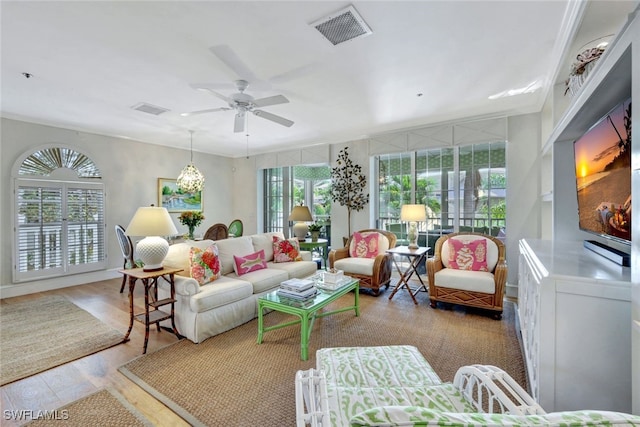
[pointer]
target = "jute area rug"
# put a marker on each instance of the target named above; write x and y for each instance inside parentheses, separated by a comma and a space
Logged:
(230, 380)
(41, 334)
(104, 407)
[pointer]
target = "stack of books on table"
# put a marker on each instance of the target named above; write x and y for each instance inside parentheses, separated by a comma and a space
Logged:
(298, 289)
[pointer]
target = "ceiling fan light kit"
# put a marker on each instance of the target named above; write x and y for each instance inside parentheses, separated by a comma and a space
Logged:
(190, 179)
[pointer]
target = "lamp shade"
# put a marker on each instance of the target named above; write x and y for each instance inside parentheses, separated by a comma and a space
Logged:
(413, 213)
(152, 222)
(300, 213)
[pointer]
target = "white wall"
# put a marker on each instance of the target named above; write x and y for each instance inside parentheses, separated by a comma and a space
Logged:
(523, 187)
(130, 171)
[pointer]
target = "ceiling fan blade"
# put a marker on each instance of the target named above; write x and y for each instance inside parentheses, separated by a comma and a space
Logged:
(271, 100)
(273, 118)
(238, 124)
(231, 60)
(210, 110)
(213, 92)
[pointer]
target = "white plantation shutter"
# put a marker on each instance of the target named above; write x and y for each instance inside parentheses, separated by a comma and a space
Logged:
(85, 227)
(60, 228)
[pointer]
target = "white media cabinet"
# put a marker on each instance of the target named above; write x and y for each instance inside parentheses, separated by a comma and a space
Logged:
(574, 309)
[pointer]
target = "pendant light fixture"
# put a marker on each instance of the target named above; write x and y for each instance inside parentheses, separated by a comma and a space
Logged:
(190, 179)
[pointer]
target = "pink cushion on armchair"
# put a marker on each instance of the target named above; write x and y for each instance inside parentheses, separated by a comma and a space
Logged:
(470, 255)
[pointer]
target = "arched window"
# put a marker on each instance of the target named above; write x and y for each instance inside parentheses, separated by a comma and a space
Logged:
(59, 215)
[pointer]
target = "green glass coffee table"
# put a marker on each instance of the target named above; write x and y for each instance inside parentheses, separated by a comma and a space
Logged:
(308, 310)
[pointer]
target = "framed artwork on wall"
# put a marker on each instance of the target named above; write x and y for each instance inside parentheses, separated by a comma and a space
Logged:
(174, 199)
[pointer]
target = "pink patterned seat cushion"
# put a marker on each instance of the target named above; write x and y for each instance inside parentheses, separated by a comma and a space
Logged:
(468, 256)
(368, 244)
(459, 252)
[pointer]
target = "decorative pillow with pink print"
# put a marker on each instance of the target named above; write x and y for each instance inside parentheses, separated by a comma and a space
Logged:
(204, 264)
(364, 245)
(248, 263)
(470, 255)
(286, 250)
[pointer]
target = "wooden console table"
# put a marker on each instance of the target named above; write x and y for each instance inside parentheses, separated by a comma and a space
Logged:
(152, 313)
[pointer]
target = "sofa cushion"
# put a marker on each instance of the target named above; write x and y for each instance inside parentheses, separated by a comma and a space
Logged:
(178, 255)
(263, 280)
(470, 255)
(264, 241)
(223, 291)
(382, 416)
(205, 264)
(298, 270)
(285, 250)
(235, 246)
(368, 244)
(248, 263)
(362, 266)
(492, 250)
(478, 281)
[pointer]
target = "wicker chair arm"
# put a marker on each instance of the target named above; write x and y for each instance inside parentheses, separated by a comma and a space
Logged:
(312, 403)
(500, 278)
(492, 390)
(337, 254)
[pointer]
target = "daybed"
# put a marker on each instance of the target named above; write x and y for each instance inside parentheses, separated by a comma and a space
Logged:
(396, 386)
(208, 309)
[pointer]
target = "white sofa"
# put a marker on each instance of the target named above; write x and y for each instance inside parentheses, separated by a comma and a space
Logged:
(396, 386)
(202, 311)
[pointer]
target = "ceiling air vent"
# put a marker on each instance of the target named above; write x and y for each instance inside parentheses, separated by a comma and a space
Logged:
(150, 109)
(342, 26)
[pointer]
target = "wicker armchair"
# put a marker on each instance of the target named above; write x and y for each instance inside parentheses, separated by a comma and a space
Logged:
(483, 289)
(373, 273)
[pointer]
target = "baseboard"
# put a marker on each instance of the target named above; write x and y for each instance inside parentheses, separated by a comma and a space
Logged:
(26, 288)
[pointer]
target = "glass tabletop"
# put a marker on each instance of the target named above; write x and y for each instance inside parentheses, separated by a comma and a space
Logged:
(325, 292)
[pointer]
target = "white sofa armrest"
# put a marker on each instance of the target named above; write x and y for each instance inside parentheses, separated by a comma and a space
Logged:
(492, 388)
(312, 403)
(306, 255)
(185, 286)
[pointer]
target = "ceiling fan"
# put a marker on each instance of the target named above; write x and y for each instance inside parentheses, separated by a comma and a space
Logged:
(243, 103)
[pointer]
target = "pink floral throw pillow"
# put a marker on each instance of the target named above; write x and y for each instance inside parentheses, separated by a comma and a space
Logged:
(468, 256)
(286, 250)
(364, 245)
(204, 264)
(248, 263)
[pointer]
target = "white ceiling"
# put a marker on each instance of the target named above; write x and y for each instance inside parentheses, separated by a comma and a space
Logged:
(92, 61)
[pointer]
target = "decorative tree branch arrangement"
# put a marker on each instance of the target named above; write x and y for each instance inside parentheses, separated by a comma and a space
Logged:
(348, 185)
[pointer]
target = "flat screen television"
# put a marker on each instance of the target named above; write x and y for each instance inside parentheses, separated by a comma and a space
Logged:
(603, 175)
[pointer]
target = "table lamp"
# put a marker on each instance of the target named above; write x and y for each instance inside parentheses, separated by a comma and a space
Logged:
(152, 222)
(300, 215)
(412, 214)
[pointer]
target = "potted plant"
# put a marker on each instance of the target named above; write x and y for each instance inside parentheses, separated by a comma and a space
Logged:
(315, 229)
(348, 184)
(191, 219)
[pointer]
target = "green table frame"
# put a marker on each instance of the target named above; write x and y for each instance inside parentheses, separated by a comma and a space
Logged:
(307, 311)
(310, 245)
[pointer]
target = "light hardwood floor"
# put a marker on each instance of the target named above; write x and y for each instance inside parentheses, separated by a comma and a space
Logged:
(56, 387)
